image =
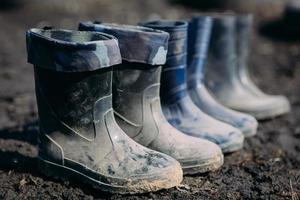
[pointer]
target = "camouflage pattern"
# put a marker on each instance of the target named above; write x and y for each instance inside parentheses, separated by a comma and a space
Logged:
(136, 101)
(177, 105)
(137, 44)
(71, 51)
(199, 36)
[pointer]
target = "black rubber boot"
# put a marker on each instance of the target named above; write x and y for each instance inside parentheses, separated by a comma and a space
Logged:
(226, 72)
(79, 137)
(137, 103)
(177, 105)
(198, 42)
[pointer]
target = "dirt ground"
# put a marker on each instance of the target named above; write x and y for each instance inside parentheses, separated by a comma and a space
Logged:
(267, 168)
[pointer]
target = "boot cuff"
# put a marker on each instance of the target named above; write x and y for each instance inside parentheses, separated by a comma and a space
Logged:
(177, 50)
(137, 44)
(201, 21)
(225, 20)
(71, 51)
(176, 29)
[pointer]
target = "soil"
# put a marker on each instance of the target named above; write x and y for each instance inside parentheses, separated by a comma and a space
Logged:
(267, 168)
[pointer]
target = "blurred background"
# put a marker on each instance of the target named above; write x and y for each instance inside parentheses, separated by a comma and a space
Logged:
(269, 165)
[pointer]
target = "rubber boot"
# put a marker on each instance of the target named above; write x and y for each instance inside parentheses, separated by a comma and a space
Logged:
(79, 137)
(243, 29)
(198, 42)
(177, 105)
(223, 77)
(136, 99)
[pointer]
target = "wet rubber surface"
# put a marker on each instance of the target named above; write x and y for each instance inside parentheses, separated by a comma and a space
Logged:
(267, 168)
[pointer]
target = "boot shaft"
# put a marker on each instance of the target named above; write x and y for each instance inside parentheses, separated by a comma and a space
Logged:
(173, 80)
(222, 57)
(198, 42)
(73, 77)
(243, 30)
(223, 45)
(73, 99)
(143, 51)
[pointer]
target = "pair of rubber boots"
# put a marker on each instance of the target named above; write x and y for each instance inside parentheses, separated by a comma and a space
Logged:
(81, 78)
(227, 75)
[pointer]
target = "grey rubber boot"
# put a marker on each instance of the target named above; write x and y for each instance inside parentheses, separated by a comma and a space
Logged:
(137, 103)
(223, 74)
(79, 137)
(177, 105)
(244, 29)
(198, 42)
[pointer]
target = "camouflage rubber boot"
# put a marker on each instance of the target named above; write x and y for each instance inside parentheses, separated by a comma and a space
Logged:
(177, 105)
(223, 77)
(198, 42)
(79, 137)
(281, 104)
(136, 99)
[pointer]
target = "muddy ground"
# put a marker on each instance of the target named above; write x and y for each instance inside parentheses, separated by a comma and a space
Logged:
(267, 168)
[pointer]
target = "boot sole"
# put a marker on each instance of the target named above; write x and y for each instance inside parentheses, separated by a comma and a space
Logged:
(64, 173)
(271, 114)
(203, 167)
(232, 147)
(249, 133)
(266, 114)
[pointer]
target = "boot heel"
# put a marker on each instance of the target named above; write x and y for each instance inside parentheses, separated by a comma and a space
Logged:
(52, 170)
(63, 173)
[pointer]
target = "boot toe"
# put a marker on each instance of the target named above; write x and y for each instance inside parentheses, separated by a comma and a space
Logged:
(276, 106)
(162, 177)
(233, 142)
(249, 126)
(207, 156)
(226, 136)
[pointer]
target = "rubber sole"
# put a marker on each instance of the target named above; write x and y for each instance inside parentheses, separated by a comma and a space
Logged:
(265, 114)
(64, 173)
(271, 113)
(231, 146)
(203, 167)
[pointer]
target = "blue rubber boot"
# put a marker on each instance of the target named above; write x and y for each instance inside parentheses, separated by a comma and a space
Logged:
(177, 105)
(198, 42)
